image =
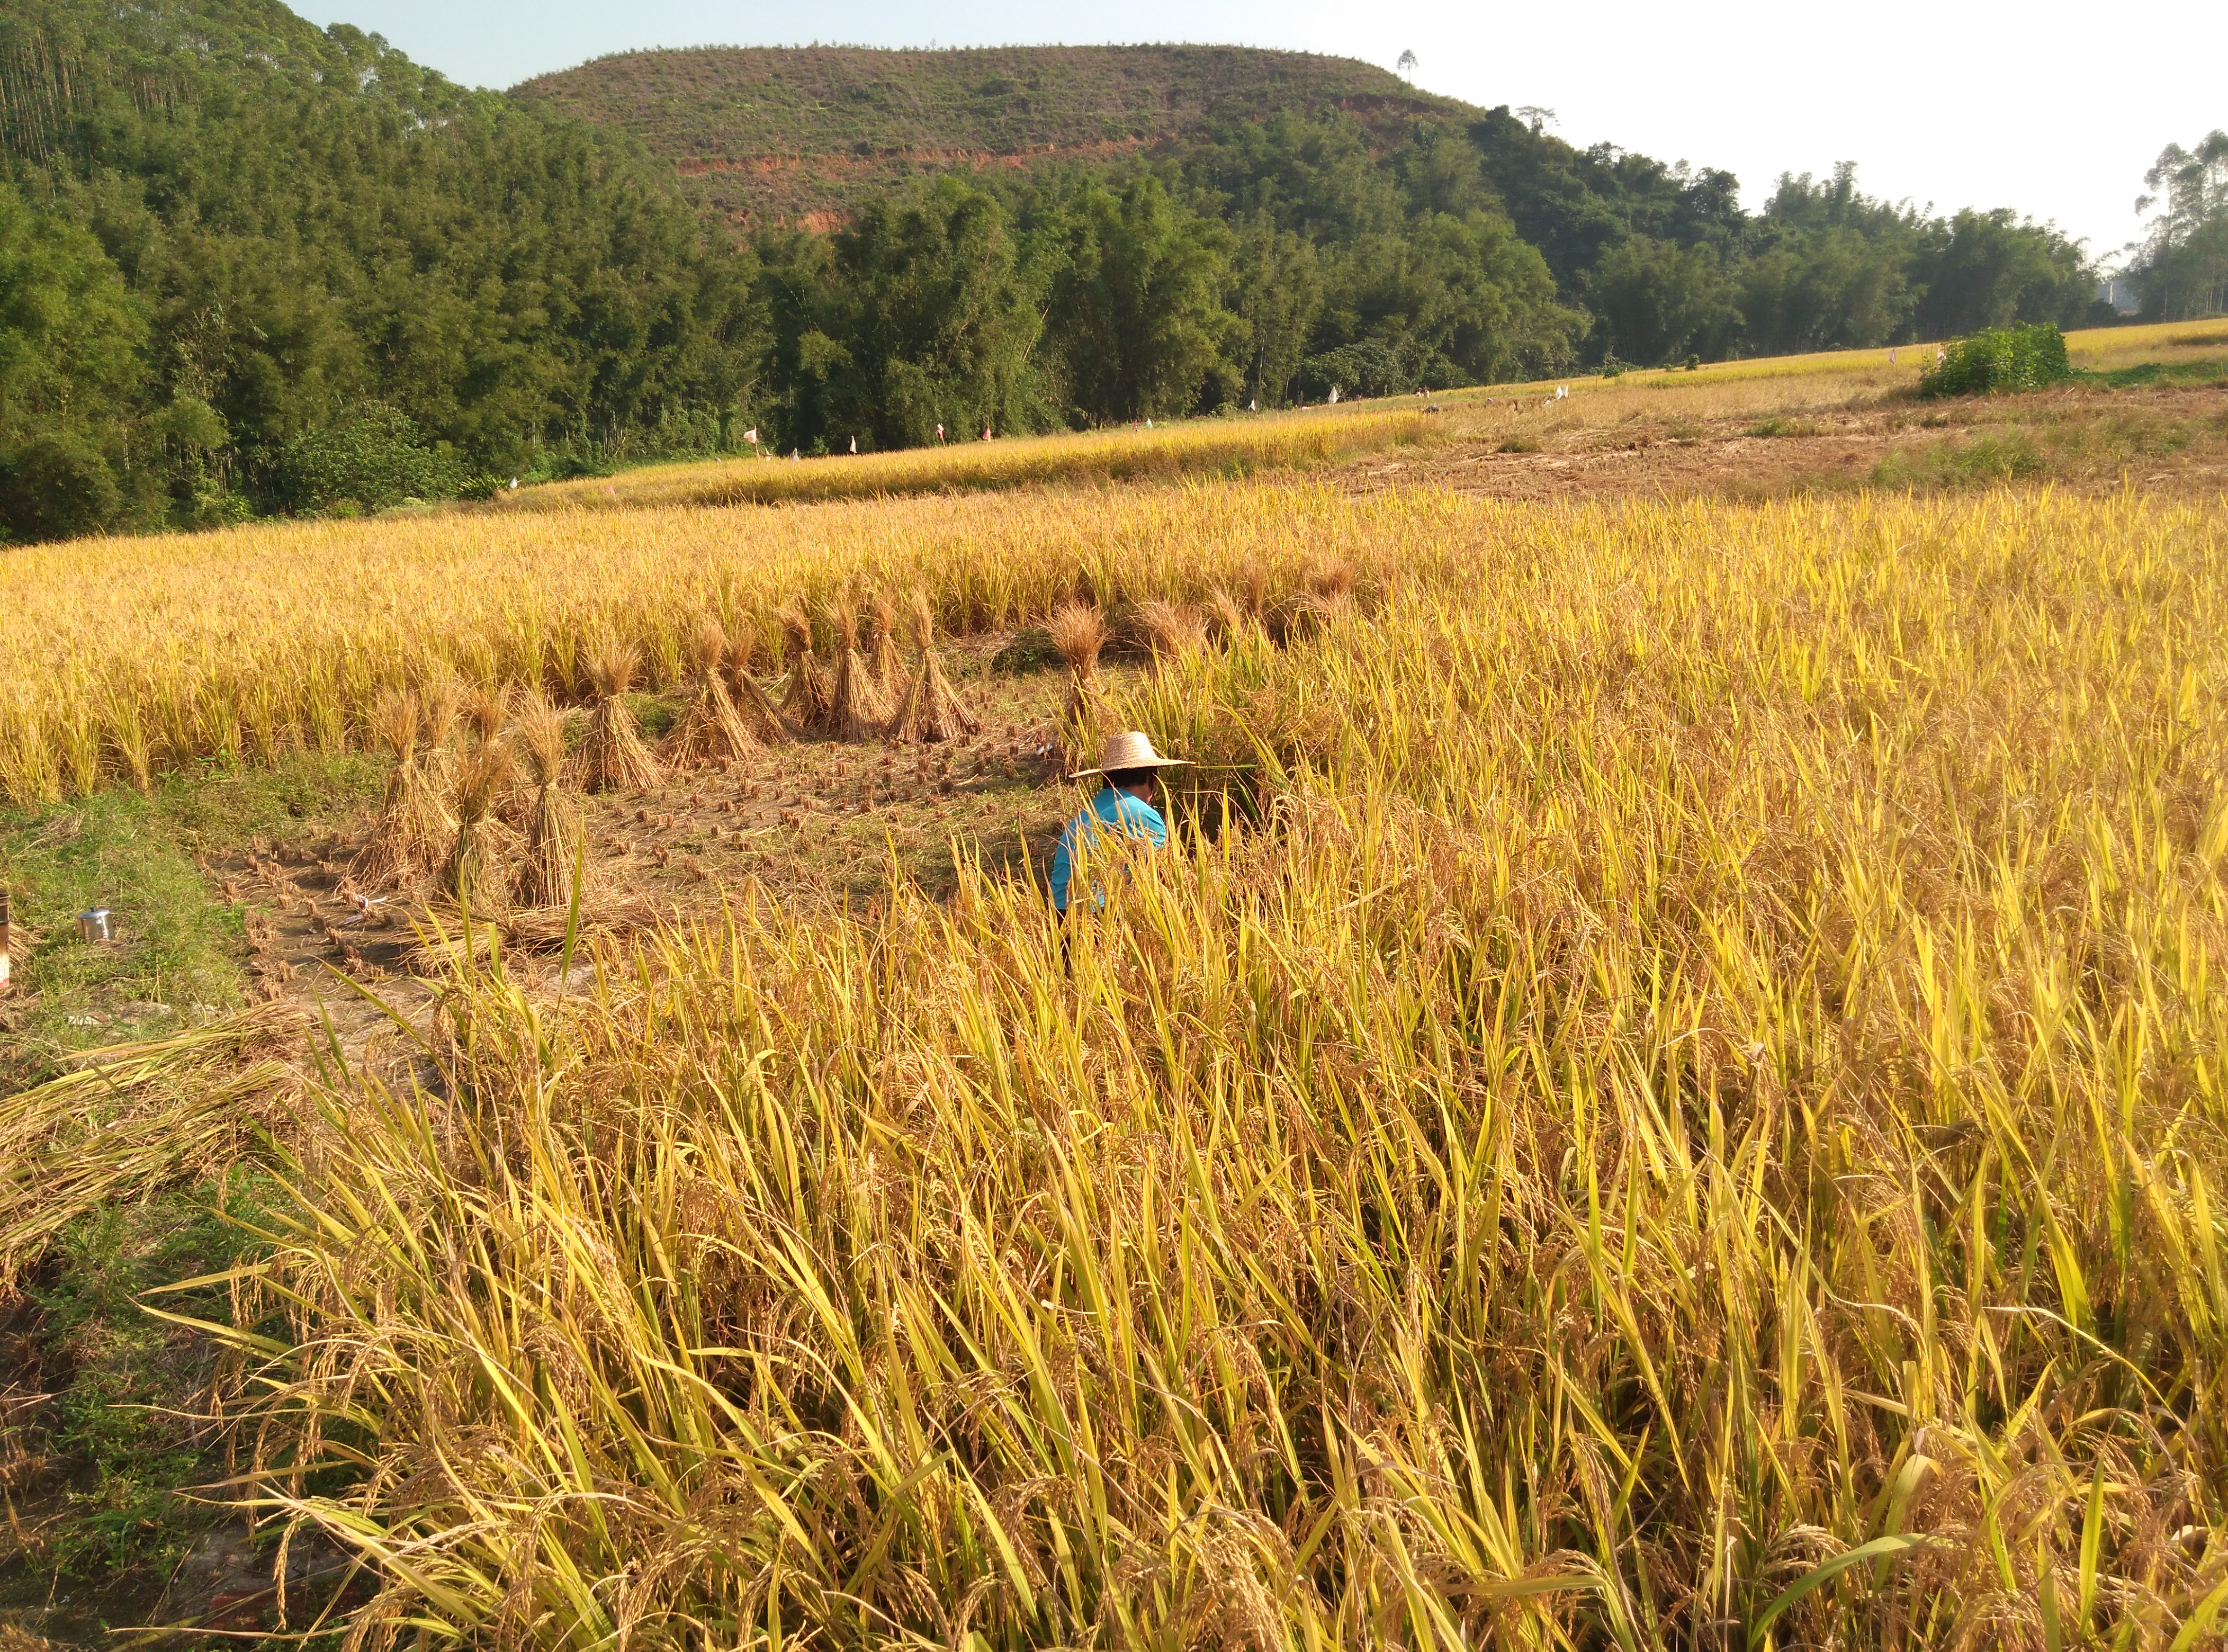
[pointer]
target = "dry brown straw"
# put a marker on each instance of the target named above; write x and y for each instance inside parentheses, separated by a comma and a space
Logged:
(931, 711)
(709, 731)
(856, 711)
(554, 828)
(612, 757)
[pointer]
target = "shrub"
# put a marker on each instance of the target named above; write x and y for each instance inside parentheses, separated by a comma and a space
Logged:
(375, 458)
(57, 486)
(1999, 358)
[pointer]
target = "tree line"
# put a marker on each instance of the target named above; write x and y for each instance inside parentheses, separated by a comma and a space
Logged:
(248, 265)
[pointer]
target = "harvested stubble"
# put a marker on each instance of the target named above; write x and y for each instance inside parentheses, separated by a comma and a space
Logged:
(1715, 1070)
(932, 711)
(611, 756)
(709, 730)
(553, 856)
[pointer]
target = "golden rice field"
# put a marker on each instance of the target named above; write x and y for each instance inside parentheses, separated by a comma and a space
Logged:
(1219, 446)
(1685, 1106)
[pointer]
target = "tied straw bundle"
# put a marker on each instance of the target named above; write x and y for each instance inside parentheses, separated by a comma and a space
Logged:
(856, 710)
(1173, 631)
(752, 702)
(810, 694)
(554, 828)
(931, 712)
(709, 731)
(473, 874)
(414, 825)
(882, 646)
(612, 757)
(1078, 631)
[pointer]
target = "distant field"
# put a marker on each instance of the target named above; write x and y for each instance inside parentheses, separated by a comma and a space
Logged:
(1231, 447)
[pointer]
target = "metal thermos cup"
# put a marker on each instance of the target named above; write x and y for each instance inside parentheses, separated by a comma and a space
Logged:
(94, 926)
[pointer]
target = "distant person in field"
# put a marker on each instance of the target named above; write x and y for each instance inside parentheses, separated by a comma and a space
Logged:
(1129, 784)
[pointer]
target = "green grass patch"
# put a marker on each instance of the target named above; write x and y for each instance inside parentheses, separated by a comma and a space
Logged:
(180, 948)
(1776, 427)
(2161, 373)
(1980, 461)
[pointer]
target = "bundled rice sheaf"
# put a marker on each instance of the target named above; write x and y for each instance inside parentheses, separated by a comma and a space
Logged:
(1078, 631)
(856, 710)
(414, 826)
(552, 857)
(931, 711)
(1171, 631)
(482, 711)
(1227, 619)
(752, 704)
(612, 757)
(1325, 596)
(812, 693)
(881, 649)
(709, 730)
(473, 874)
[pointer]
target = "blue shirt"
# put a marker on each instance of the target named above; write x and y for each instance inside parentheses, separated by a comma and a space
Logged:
(1131, 817)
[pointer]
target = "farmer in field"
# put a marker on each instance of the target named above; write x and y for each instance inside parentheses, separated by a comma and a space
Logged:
(1130, 775)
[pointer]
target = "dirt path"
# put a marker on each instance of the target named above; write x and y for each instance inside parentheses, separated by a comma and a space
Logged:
(2172, 440)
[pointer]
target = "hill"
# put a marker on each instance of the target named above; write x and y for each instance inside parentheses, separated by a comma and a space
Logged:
(247, 265)
(809, 135)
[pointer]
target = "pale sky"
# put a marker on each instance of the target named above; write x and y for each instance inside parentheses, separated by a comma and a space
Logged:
(2055, 110)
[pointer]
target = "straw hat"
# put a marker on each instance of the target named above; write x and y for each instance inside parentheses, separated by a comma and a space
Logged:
(1129, 750)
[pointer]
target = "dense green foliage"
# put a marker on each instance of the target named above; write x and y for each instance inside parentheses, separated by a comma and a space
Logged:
(1643, 263)
(230, 232)
(2183, 272)
(1999, 358)
(248, 265)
